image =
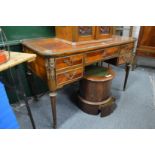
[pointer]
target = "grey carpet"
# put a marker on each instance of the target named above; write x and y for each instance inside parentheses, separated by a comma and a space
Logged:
(135, 107)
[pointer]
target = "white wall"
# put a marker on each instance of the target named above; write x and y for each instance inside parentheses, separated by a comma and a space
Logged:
(136, 30)
(135, 34)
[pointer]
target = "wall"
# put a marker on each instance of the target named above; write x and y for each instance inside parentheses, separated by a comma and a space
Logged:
(135, 34)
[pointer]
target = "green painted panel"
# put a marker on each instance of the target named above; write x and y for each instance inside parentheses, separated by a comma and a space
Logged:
(14, 33)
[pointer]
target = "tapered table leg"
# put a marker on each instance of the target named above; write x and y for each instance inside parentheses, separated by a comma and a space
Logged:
(21, 88)
(53, 105)
(127, 70)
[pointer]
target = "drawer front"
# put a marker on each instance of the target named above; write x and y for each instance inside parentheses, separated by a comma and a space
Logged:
(111, 51)
(94, 56)
(125, 58)
(126, 48)
(69, 76)
(65, 62)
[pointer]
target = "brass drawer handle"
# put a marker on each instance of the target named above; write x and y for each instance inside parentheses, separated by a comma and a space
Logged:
(127, 47)
(70, 75)
(68, 62)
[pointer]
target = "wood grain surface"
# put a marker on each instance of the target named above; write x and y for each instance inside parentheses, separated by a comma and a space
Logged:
(17, 58)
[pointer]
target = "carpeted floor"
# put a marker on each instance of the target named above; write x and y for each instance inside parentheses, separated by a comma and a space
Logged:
(135, 106)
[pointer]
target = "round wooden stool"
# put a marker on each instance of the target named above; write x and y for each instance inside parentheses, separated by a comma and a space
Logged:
(95, 91)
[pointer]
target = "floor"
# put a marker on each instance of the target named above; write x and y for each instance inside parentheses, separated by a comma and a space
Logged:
(135, 107)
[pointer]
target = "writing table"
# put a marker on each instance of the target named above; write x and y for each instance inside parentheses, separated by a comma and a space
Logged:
(60, 63)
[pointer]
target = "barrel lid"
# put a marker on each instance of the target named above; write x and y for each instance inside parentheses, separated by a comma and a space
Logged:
(95, 73)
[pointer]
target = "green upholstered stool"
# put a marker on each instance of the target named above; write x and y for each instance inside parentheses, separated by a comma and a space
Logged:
(95, 91)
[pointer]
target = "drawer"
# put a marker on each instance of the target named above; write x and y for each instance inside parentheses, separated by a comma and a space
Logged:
(94, 56)
(126, 48)
(69, 76)
(125, 58)
(111, 51)
(65, 62)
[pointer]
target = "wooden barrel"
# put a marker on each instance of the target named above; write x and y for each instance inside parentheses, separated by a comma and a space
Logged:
(96, 84)
(95, 90)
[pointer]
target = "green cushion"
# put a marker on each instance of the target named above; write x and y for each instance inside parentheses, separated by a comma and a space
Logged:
(96, 71)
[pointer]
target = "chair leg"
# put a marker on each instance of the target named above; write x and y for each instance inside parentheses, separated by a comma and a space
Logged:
(21, 89)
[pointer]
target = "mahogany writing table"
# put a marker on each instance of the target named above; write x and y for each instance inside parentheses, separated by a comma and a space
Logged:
(60, 63)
